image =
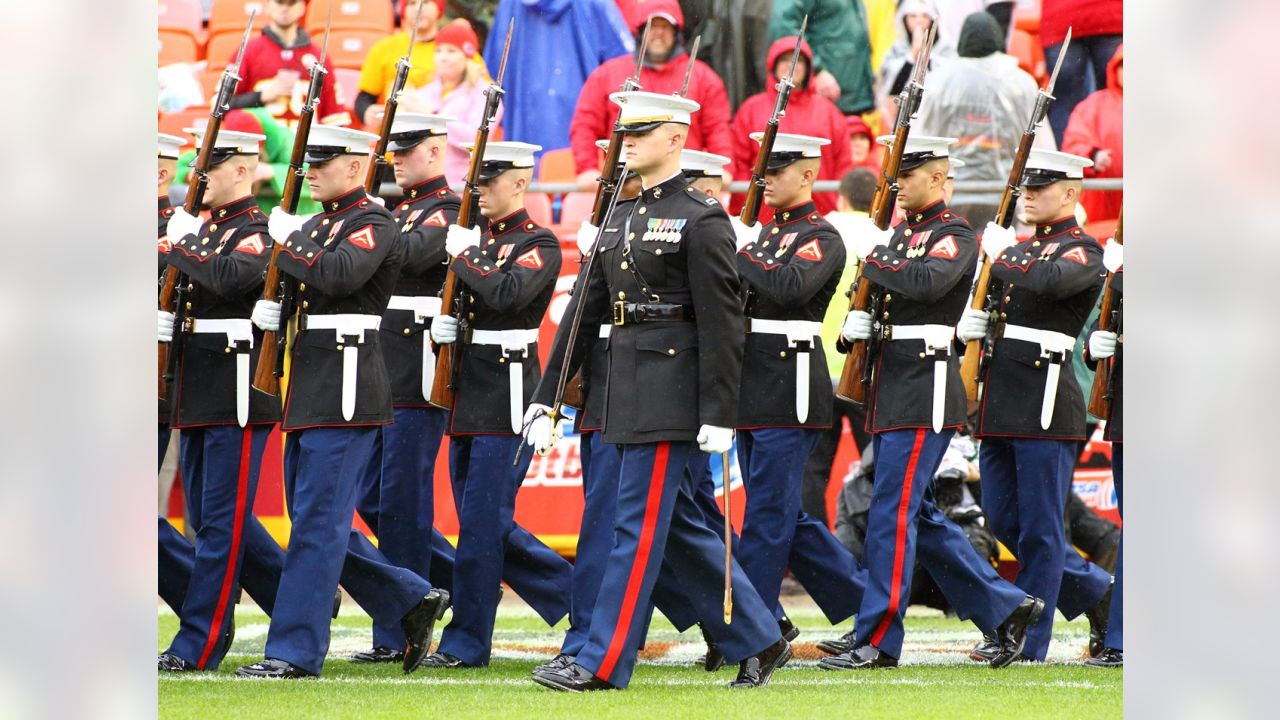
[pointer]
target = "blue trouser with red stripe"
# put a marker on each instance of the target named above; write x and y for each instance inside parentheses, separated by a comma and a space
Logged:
(403, 493)
(1115, 622)
(655, 518)
(220, 466)
(323, 471)
(484, 493)
(1025, 482)
(259, 568)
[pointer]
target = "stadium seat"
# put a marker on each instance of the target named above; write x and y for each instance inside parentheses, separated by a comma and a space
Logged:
(350, 15)
(222, 47)
(181, 15)
(172, 123)
(209, 82)
(539, 207)
(231, 15)
(556, 166)
(348, 48)
(1026, 48)
(177, 46)
(576, 207)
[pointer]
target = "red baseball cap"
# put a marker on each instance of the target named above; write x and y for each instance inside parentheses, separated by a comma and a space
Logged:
(400, 10)
(642, 10)
(460, 35)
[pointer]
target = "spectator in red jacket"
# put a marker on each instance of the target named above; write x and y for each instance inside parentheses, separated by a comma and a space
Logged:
(1096, 131)
(808, 113)
(663, 72)
(863, 150)
(1097, 29)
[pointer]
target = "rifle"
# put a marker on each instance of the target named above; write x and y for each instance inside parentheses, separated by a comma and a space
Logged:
(856, 375)
(755, 192)
(569, 391)
(1109, 319)
(271, 353)
(374, 176)
(442, 388)
(174, 290)
(976, 351)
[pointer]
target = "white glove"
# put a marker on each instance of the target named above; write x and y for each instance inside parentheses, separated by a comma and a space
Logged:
(280, 225)
(1102, 344)
(860, 234)
(587, 234)
(164, 325)
(715, 440)
(742, 234)
(266, 315)
(381, 203)
(1112, 255)
(539, 432)
(996, 239)
(457, 239)
(857, 325)
(972, 325)
(182, 224)
(444, 329)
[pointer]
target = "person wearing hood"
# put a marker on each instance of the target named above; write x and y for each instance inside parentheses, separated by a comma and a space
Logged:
(808, 113)
(1097, 29)
(555, 46)
(914, 19)
(863, 151)
(1096, 131)
(663, 72)
(985, 99)
(842, 64)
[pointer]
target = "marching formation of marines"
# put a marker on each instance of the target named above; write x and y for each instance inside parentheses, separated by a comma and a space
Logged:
(722, 314)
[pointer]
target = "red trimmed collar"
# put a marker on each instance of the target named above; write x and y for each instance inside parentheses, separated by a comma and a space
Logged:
(236, 207)
(796, 213)
(502, 226)
(1055, 227)
(926, 214)
(437, 185)
(344, 202)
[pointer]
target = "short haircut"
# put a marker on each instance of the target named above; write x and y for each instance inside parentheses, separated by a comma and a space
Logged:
(858, 188)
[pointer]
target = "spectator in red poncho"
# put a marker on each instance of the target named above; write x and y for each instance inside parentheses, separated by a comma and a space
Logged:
(1096, 131)
(1097, 29)
(808, 113)
(863, 150)
(663, 72)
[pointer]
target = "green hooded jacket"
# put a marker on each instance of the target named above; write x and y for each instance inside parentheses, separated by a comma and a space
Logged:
(837, 32)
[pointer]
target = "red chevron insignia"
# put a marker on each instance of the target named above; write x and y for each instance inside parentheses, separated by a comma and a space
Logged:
(945, 249)
(810, 251)
(437, 219)
(363, 238)
(251, 245)
(531, 259)
(1077, 254)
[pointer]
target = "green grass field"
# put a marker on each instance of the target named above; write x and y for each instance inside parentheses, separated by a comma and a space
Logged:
(936, 681)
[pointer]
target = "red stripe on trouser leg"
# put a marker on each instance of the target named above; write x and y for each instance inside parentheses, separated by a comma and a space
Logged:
(229, 577)
(900, 541)
(652, 504)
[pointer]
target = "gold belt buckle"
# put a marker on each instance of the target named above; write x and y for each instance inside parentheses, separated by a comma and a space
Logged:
(619, 313)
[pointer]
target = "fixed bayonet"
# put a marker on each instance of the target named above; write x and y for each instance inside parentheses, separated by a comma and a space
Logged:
(688, 72)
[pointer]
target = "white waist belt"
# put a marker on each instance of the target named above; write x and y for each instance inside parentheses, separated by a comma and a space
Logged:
(343, 325)
(422, 306)
(796, 331)
(606, 331)
(936, 338)
(237, 330)
(1054, 346)
(511, 341)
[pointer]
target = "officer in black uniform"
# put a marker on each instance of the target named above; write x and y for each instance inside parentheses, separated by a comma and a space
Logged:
(1104, 344)
(346, 260)
(666, 280)
(921, 272)
(790, 268)
(223, 425)
(1032, 415)
(509, 273)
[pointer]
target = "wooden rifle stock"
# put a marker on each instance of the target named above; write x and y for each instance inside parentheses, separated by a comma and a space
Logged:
(1100, 395)
(750, 212)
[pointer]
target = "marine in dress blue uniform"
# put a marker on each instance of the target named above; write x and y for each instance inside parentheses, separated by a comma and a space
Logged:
(921, 272)
(224, 426)
(508, 273)
(345, 261)
(664, 277)
(1032, 415)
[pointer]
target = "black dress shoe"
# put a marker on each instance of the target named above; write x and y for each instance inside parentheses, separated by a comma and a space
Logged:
(839, 646)
(1099, 615)
(986, 650)
(572, 678)
(713, 660)
(1108, 658)
(168, 662)
(860, 658)
(788, 629)
(337, 604)
(559, 661)
(418, 624)
(378, 655)
(274, 670)
(756, 670)
(441, 660)
(1013, 631)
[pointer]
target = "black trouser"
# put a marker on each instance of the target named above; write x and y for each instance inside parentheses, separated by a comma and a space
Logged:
(817, 470)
